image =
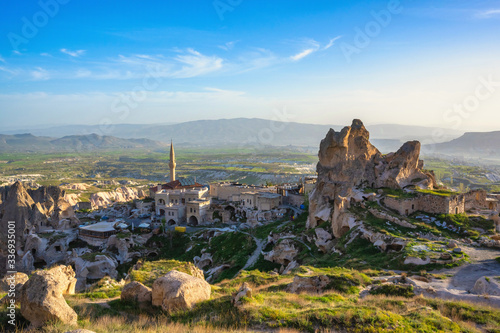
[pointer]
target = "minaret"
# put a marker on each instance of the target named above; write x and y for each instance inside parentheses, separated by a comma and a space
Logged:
(172, 164)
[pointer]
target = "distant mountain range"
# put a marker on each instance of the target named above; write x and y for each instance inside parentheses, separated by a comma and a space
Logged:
(81, 143)
(240, 132)
(472, 144)
(243, 131)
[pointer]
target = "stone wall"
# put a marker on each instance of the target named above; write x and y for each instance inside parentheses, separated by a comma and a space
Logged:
(433, 204)
(475, 199)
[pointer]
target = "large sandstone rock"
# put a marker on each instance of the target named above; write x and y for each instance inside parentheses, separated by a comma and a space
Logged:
(308, 284)
(42, 298)
(347, 160)
(136, 292)
(179, 291)
(486, 286)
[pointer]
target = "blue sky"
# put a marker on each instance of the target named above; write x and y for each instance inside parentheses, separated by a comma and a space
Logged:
(407, 62)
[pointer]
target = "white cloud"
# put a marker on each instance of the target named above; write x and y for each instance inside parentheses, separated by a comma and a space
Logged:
(196, 64)
(40, 74)
(75, 54)
(331, 42)
(228, 46)
(302, 54)
(488, 13)
(45, 54)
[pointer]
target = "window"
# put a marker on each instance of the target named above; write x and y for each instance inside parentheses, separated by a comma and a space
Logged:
(190, 210)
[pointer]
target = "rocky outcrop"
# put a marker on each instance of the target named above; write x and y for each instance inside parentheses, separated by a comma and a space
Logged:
(487, 286)
(283, 253)
(32, 210)
(121, 194)
(16, 206)
(136, 292)
(348, 160)
(101, 266)
(324, 240)
(244, 291)
(203, 261)
(308, 284)
(16, 280)
(42, 298)
(179, 291)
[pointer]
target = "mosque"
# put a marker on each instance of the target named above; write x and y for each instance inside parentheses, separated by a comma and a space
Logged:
(181, 201)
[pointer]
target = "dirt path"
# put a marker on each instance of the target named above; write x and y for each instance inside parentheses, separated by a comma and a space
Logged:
(104, 302)
(255, 255)
(463, 278)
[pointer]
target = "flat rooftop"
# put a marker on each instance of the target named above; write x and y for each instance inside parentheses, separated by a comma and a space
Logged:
(100, 227)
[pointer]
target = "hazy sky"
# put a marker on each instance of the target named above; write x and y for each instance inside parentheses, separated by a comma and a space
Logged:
(408, 62)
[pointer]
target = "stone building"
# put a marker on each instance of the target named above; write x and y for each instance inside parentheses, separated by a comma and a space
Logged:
(232, 191)
(429, 203)
(435, 204)
(173, 198)
(98, 233)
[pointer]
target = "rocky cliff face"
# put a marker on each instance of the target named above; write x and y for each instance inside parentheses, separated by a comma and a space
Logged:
(121, 194)
(348, 162)
(30, 210)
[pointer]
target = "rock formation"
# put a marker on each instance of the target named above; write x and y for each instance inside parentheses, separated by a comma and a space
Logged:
(244, 291)
(42, 298)
(97, 268)
(179, 291)
(347, 160)
(31, 210)
(136, 292)
(486, 286)
(121, 194)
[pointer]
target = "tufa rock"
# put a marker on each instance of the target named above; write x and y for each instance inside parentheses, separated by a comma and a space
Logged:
(486, 286)
(42, 298)
(244, 291)
(348, 160)
(136, 292)
(179, 291)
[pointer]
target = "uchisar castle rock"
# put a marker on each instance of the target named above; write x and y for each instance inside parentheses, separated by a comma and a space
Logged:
(349, 163)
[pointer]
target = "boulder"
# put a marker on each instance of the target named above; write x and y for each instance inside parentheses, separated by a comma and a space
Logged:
(283, 253)
(244, 291)
(308, 284)
(179, 291)
(203, 261)
(136, 292)
(417, 261)
(324, 240)
(42, 298)
(100, 267)
(457, 250)
(17, 279)
(487, 286)
(452, 244)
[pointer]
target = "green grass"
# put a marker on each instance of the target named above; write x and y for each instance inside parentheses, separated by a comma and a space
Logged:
(152, 270)
(393, 290)
(441, 193)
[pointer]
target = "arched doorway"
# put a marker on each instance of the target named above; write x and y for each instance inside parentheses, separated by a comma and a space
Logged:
(162, 212)
(193, 220)
(171, 222)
